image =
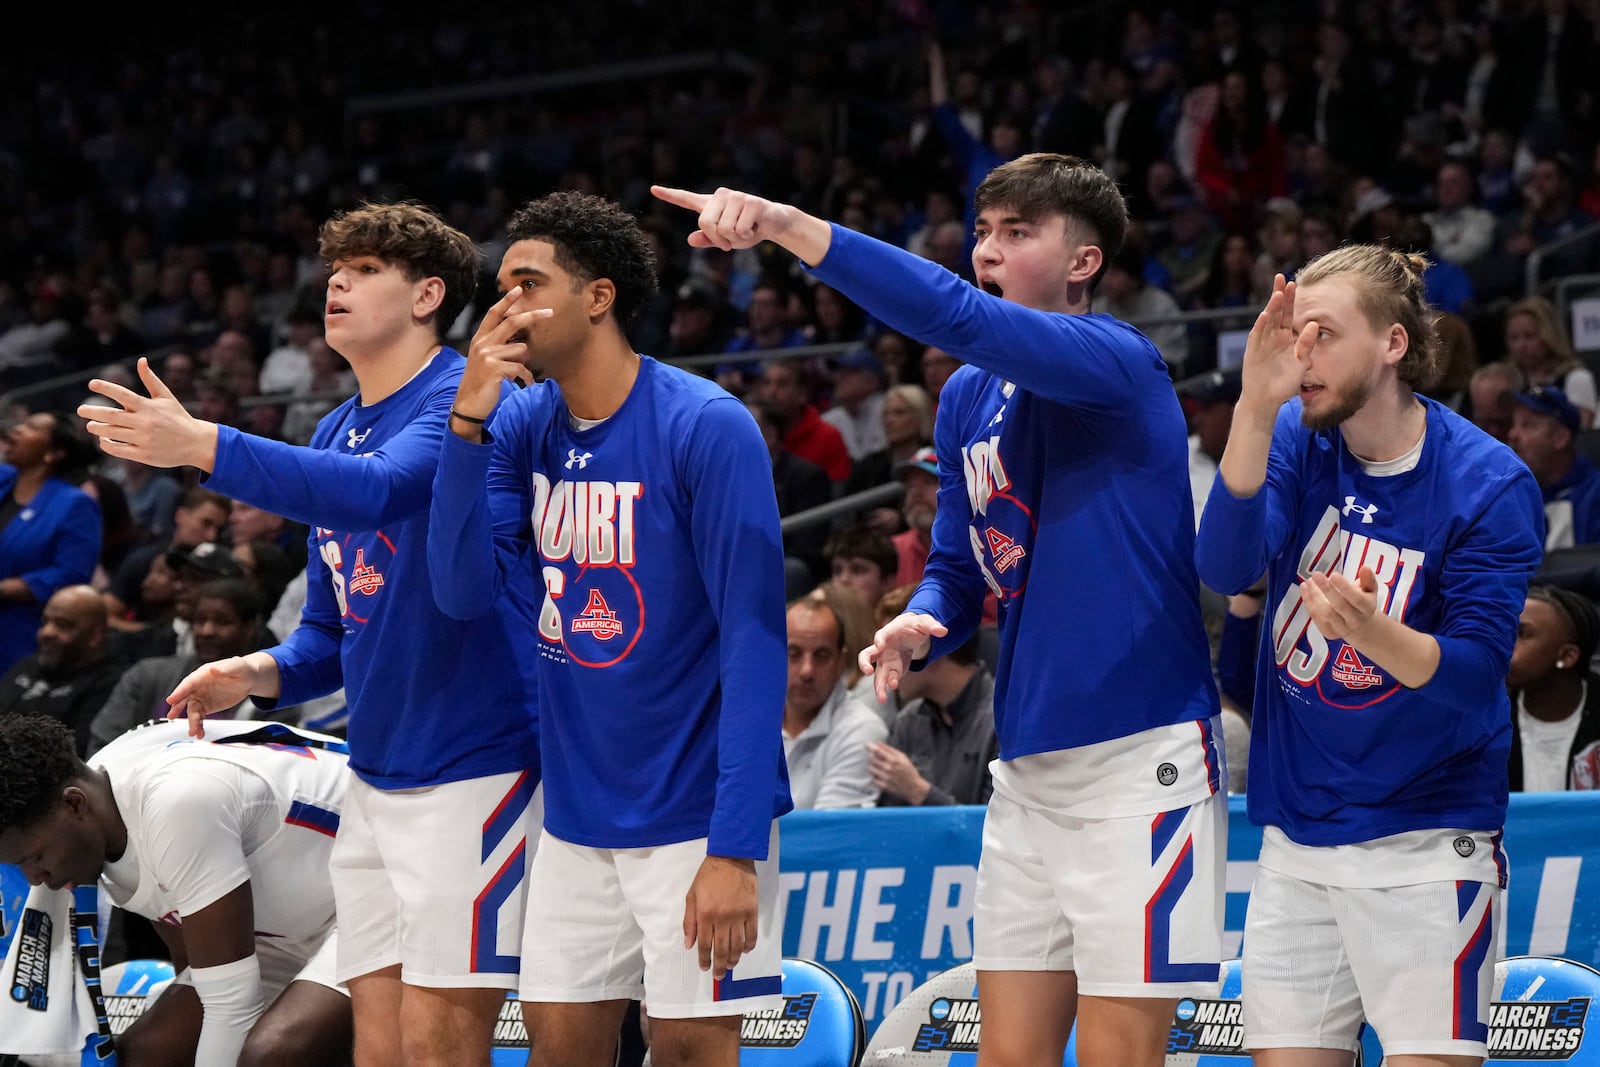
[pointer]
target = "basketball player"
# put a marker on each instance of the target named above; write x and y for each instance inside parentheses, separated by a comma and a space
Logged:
(224, 844)
(1062, 456)
(1397, 540)
(643, 496)
(433, 915)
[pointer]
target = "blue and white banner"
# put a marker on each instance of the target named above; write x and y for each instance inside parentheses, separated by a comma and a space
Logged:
(883, 898)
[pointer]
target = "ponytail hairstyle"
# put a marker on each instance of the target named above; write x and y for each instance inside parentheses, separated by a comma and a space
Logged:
(1389, 292)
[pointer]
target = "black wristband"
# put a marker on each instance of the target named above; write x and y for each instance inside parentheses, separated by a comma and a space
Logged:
(454, 414)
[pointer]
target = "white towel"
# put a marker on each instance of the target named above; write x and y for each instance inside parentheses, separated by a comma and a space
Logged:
(53, 1002)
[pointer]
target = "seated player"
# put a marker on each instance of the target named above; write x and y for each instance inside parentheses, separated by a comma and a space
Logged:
(224, 843)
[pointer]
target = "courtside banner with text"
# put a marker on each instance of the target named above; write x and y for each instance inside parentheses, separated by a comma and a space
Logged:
(883, 897)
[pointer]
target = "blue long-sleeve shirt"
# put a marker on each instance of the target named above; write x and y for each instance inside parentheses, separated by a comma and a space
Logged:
(432, 699)
(1063, 471)
(1340, 751)
(661, 645)
(53, 541)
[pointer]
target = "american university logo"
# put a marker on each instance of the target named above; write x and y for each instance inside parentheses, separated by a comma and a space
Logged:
(1298, 646)
(1366, 512)
(577, 459)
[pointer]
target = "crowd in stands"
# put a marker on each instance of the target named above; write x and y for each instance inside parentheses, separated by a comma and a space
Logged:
(168, 202)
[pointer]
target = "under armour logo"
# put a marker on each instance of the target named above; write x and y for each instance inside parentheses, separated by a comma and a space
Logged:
(357, 438)
(1366, 513)
(999, 417)
(577, 459)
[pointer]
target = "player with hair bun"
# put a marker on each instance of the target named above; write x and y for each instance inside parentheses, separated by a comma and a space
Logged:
(1398, 540)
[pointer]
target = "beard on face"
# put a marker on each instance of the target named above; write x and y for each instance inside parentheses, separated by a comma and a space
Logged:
(1342, 406)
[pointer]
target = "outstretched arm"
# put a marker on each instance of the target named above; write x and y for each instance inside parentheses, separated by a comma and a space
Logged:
(731, 220)
(290, 480)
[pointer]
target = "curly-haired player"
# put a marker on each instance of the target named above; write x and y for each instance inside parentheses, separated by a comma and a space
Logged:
(432, 915)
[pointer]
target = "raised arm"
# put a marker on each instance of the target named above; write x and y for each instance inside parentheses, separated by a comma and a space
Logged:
(290, 480)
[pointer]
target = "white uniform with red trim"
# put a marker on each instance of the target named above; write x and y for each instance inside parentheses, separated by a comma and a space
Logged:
(204, 816)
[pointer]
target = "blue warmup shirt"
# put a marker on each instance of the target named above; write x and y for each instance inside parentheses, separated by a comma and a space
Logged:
(1341, 752)
(432, 699)
(662, 643)
(1064, 488)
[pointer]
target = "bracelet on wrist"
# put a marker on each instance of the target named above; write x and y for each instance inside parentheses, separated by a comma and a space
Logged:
(454, 414)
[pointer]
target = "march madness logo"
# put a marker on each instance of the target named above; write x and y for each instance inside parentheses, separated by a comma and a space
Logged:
(30, 982)
(783, 1027)
(1353, 671)
(364, 579)
(597, 619)
(1207, 1028)
(1532, 1031)
(954, 1025)
(1007, 553)
(509, 1031)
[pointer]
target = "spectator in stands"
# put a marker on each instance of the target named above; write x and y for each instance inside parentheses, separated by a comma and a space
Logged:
(1462, 231)
(1230, 282)
(102, 336)
(227, 622)
(71, 673)
(1319, 232)
(267, 568)
(863, 560)
(1208, 401)
(786, 389)
(287, 368)
(1130, 133)
(1544, 432)
(1553, 50)
(857, 411)
(825, 733)
(331, 379)
(248, 523)
(1555, 694)
(698, 324)
(1490, 397)
(1123, 294)
(942, 740)
(50, 531)
(947, 246)
(920, 475)
(200, 516)
(835, 318)
(937, 366)
(152, 633)
(765, 325)
(119, 533)
(1241, 161)
(1537, 343)
(800, 485)
(907, 427)
(28, 349)
(1457, 363)
(900, 355)
(179, 368)
(1589, 198)
(855, 612)
(1550, 214)
(939, 206)
(1497, 178)
(1191, 245)
(972, 157)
